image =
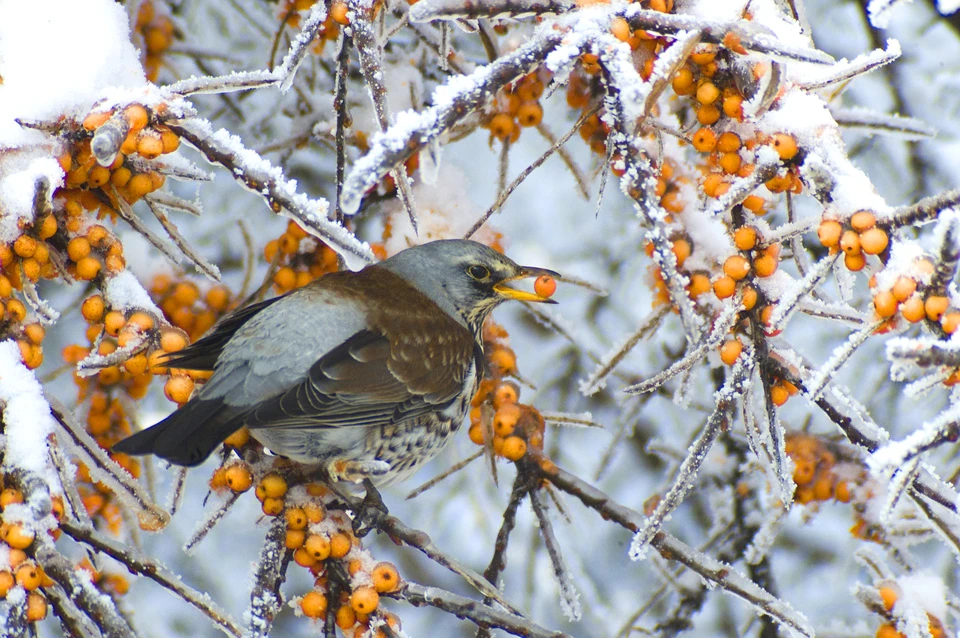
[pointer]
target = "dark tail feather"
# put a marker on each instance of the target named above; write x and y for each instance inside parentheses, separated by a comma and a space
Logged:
(188, 436)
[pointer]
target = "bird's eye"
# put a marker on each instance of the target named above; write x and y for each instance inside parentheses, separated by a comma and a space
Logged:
(478, 272)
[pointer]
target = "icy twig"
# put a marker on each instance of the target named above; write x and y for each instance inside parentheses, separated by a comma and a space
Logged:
(126, 212)
(789, 302)
(269, 182)
(201, 264)
(210, 522)
(744, 186)
(571, 164)
(903, 127)
(506, 192)
(710, 342)
(456, 467)
(567, 418)
(844, 71)
(723, 575)
(432, 10)
(265, 597)
(104, 469)
(714, 32)
(371, 64)
(924, 211)
(474, 611)
(230, 83)
(171, 201)
(840, 356)
(924, 352)
(596, 381)
(71, 618)
(91, 601)
(452, 102)
(569, 596)
(686, 474)
(340, 108)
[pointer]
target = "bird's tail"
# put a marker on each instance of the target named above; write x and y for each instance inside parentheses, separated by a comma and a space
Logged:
(189, 435)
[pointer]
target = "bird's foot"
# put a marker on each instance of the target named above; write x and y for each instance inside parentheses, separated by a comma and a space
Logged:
(372, 509)
(356, 471)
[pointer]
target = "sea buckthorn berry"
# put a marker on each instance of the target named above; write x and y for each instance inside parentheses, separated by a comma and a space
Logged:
(18, 538)
(745, 238)
(730, 162)
(16, 311)
(340, 545)
(754, 204)
(736, 267)
(862, 220)
(885, 304)
(888, 630)
(313, 604)
(238, 438)
(903, 288)
(730, 351)
(172, 341)
(778, 395)
(874, 241)
(704, 55)
(218, 298)
(141, 321)
(779, 183)
(683, 81)
(178, 389)
(136, 116)
(502, 126)
(699, 284)
(169, 140)
(95, 120)
(88, 268)
(294, 538)
(912, 309)
(315, 513)
(714, 186)
(854, 262)
(136, 364)
(385, 577)
(704, 140)
(25, 246)
(303, 558)
(505, 420)
(889, 596)
(36, 607)
(708, 114)
(529, 114)
(682, 250)
(93, 308)
(829, 233)
(274, 485)
(317, 546)
(34, 332)
(505, 393)
(724, 287)
(545, 286)
(364, 600)
(28, 576)
(346, 617)
(850, 242)
(48, 227)
(272, 506)
(296, 518)
(785, 145)
(6, 583)
(765, 265)
(728, 142)
(750, 297)
(513, 448)
(238, 477)
(504, 360)
(935, 306)
(114, 322)
(733, 107)
(950, 322)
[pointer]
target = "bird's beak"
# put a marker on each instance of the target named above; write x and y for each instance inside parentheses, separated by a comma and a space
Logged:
(522, 295)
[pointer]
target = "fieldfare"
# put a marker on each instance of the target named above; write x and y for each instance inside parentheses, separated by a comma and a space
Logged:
(366, 374)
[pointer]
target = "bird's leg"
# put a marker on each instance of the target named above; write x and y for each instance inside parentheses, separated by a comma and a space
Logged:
(370, 510)
(355, 471)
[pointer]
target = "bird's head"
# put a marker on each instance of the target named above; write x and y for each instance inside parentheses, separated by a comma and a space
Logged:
(465, 278)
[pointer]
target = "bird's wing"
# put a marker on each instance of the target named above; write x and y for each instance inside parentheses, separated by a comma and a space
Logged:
(378, 377)
(203, 354)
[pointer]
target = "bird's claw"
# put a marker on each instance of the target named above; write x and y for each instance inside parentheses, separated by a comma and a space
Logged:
(356, 471)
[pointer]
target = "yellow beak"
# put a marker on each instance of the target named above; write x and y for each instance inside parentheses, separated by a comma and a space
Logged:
(522, 295)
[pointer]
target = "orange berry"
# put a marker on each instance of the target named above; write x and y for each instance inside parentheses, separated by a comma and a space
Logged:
(505, 393)
(682, 250)
(36, 607)
(545, 286)
(238, 438)
(505, 420)
(903, 288)
(778, 395)
(745, 237)
(765, 265)
(730, 162)
(296, 518)
(950, 322)
(529, 114)
(88, 268)
(935, 307)
(699, 284)
(303, 558)
(728, 142)
(874, 241)
(683, 81)
(218, 298)
(750, 297)
(736, 267)
(704, 140)
(338, 11)
(93, 308)
(346, 617)
(294, 538)
(885, 304)
(141, 321)
(317, 546)
(7, 583)
(386, 578)
(313, 604)
(889, 596)
(708, 93)
(28, 576)
(96, 120)
(272, 506)
(708, 114)
(340, 545)
(274, 485)
(18, 538)
(178, 389)
(137, 117)
(862, 220)
(888, 630)
(850, 242)
(239, 477)
(25, 246)
(476, 434)
(724, 287)
(502, 126)
(829, 233)
(172, 341)
(854, 262)
(785, 145)
(730, 351)
(912, 309)
(513, 448)
(823, 488)
(842, 492)
(364, 600)
(733, 107)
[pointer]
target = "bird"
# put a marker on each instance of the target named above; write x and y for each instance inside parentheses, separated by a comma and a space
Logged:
(364, 374)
